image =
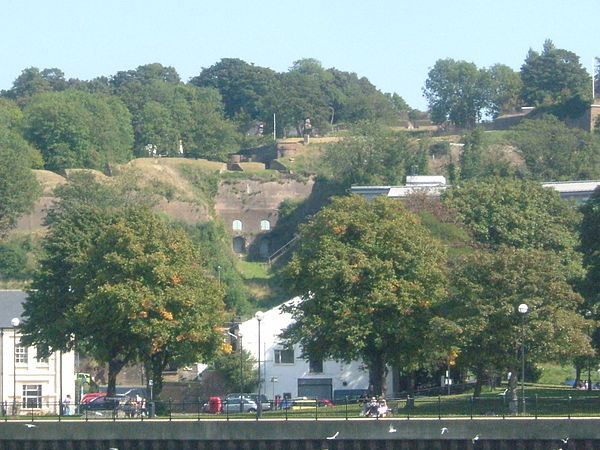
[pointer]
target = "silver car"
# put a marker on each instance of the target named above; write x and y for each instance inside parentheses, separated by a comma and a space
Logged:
(234, 405)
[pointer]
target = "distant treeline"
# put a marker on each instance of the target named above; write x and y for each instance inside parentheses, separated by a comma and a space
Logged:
(65, 123)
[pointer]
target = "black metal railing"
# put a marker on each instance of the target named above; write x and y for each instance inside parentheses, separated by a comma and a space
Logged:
(407, 407)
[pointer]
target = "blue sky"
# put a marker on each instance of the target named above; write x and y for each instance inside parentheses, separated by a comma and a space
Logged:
(393, 43)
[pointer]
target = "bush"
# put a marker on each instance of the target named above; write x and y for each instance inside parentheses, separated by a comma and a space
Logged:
(13, 261)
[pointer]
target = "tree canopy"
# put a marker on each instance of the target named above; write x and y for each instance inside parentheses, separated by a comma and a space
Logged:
(553, 76)
(121, 285)
(552, 151)
(516, 213)
(458, 92)
(368, 274)
(76, 129)
(372, 155)
(486, 290)
(19, 188)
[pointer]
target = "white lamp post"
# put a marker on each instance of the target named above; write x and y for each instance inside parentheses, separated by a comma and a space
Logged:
(523, 308)
(15, 323)
(240, 336)
(259, 317)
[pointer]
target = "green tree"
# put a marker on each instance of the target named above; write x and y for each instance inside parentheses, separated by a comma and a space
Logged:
(241, 85)
(457, 92)
(238, 370)
(368, 274)
(372, 155)
(486, 290)
(480, 158)
(165, 111)
(506, 87)
(77, 129)
(553, 76)
(121, 285)
(590, 247)
(32, 81)
(19, 188)
(516, 213)
(552, 151)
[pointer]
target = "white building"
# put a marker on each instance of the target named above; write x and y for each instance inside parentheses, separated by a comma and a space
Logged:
(285, 372)
(29, 384)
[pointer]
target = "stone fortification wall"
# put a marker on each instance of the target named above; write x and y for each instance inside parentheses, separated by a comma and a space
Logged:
(252, 203)
(254, 206)
(189, 213)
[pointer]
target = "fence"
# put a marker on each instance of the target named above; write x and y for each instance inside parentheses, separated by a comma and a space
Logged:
(404, 408)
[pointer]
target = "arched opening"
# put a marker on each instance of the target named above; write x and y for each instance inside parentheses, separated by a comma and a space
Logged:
(263, 248)
(239, 244)
(265, 225)
(237, 225)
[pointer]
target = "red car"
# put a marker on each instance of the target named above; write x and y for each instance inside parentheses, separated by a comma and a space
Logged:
(91, 396)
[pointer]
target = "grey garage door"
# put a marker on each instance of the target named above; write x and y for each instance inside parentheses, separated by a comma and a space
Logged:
(315, 387)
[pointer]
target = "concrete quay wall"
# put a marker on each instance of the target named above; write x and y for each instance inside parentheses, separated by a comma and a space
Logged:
(264, 429)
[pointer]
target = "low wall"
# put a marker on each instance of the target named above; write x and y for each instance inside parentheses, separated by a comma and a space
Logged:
(464, 430)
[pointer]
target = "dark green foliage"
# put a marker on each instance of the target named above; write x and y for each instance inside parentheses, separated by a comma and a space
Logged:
(373, 155)
(458, 92)
(520, 214)
(486, 290)
(554, 76)
(32, 81)
(554, 152)
(19, 189)
(120, 284)
(165, 111)
(590, 247)
(75, 129)
(242, 86)
(238, 369)
(218, 259)
(505, 86)
(13, 261)
(368, 274)
(480, 158)
(307, 90)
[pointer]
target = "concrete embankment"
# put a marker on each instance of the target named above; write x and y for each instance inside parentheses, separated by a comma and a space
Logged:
(490, 433)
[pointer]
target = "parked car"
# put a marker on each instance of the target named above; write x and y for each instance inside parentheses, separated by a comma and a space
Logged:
(90, 396)
(118, 402)
(266, 404)
(238, 404)
(308, 403)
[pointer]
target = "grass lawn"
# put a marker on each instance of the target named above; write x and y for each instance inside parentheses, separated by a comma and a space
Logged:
(540, 400)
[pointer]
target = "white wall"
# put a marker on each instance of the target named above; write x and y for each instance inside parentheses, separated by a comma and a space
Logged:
(34, 372)
(343, 376)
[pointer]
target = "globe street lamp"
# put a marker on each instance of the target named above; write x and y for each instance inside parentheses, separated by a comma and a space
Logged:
(15, 323)
(523, 308)
(259, 317)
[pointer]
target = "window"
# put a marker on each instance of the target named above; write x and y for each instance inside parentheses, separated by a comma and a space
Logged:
(315, 366)
(284, 356)
(32, 396)
(21, 354)
(41, 359)
(265, 225)
(237, 225)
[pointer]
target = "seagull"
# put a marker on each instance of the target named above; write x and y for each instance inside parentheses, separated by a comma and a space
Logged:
(565, 440)
(444, 430)
(29, 425)
(334, 436)
(476, 438)
(392, 429)
(98, 413)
